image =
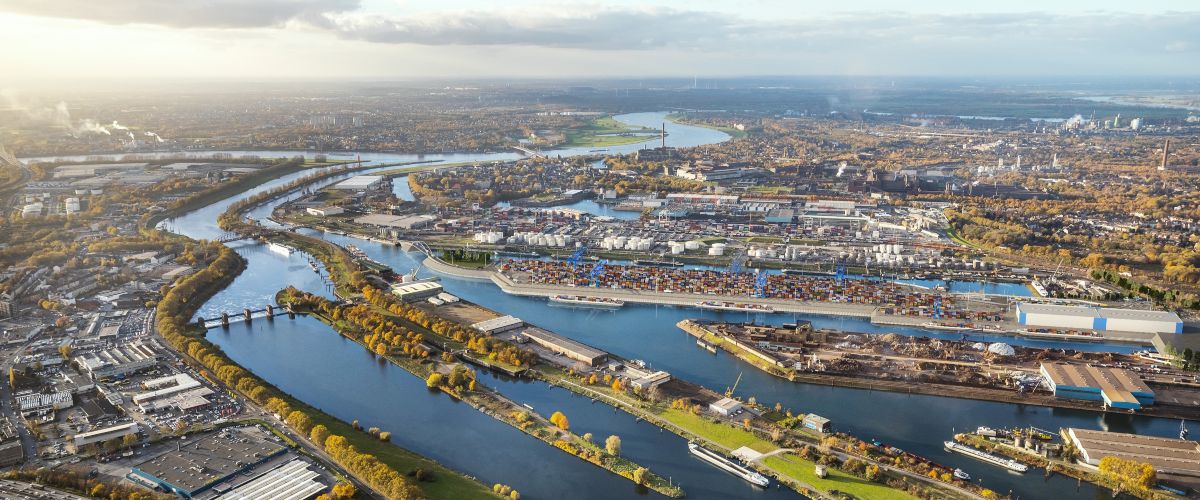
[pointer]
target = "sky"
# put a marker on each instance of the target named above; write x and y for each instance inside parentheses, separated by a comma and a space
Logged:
(84, 40)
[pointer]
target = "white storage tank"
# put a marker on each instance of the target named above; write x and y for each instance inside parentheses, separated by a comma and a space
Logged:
(692, 245)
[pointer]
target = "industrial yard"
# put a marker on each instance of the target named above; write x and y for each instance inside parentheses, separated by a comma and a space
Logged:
(974, 370)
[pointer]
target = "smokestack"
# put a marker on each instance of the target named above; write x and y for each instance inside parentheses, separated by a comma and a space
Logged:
(1162, 164)
(664, 135)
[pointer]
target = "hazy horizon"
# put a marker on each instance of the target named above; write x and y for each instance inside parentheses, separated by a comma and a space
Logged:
(380, 40)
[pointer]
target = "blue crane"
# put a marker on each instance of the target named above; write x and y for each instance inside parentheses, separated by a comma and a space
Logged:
(937, 307)
(738, 264)
(596, 272)
(839, 275)
(575, 257)
(760, 284)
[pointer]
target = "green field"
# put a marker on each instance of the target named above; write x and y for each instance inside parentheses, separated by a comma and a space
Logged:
(446, 483)
(805, 471)
(720, 433)
(593, 135)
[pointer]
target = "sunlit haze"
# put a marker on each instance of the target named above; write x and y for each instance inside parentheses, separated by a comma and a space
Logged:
(84, 40)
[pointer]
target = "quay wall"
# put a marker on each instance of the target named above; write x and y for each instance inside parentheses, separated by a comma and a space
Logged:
(680, 299)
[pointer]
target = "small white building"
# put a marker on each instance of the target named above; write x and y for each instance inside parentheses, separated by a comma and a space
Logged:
(725, 407)
(325, 211)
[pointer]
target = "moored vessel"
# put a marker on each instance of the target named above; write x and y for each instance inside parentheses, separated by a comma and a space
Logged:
(1007, 463)
(728, 465)
(585, 301)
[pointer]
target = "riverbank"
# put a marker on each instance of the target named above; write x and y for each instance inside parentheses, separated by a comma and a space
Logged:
(436, 369)
(182, 301)
(1059, 465)
(768, 364)
(681, 119)
(684, 423)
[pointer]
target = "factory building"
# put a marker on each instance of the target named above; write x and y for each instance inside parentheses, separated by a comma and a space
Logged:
(325, 211)
(411, 292)
(1177, 457)
(498, 325)
(725, 407)
(105, 434)
(1099, 319)
(291, 481)
(205, 463)
(118, 362)
(361, 183)
(1117, 388)
(565, 346)
(645, 381)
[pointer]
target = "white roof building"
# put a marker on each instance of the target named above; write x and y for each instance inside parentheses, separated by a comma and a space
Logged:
(360, 183)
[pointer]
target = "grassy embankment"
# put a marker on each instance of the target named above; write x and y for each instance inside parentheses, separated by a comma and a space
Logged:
(604, 132)
(786, 466)
(236, 186)
(498, 406)
(682, 120)
(446, 483)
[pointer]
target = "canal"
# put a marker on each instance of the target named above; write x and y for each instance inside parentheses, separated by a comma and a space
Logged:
(308, 360)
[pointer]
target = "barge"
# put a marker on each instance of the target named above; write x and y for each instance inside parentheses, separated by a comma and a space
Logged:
(1007, 463)
(585, 301)
(728, 465)
(280, 249)
(714, 305)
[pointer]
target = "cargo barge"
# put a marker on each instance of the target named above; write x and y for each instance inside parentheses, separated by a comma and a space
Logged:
(1007, 463)
(714, 305)
(585, 301)
(728, 465)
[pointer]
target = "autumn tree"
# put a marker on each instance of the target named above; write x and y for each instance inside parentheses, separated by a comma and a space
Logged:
(613, 445)
(559, 420)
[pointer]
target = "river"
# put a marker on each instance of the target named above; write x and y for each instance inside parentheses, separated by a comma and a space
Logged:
(306, 359)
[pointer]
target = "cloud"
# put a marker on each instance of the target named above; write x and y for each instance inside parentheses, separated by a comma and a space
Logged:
(590, 28)
(186, 13)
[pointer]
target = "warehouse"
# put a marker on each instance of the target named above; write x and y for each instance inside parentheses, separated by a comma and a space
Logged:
(498, 325)
(102, 435)
(361, 183)
(565, 346)
(1116, 387)
(1168, 456)
(646, 381)
(1096, 318)
(410, 292)
(118, 361)
(291, 481)
(201, 464)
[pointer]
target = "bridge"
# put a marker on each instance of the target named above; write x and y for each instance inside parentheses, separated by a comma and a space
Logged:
(528, 152)
(247, 315)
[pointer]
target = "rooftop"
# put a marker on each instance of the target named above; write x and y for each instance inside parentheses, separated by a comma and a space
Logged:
(1169, 455)
(204, 461)
(1117, 384)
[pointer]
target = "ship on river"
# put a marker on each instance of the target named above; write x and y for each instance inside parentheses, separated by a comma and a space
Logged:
(1007, 463)
(715, 305)
(585, 301)
(728, 465)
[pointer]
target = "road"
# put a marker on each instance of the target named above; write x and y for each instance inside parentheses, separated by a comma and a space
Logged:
(252, 411)
(28, 444)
